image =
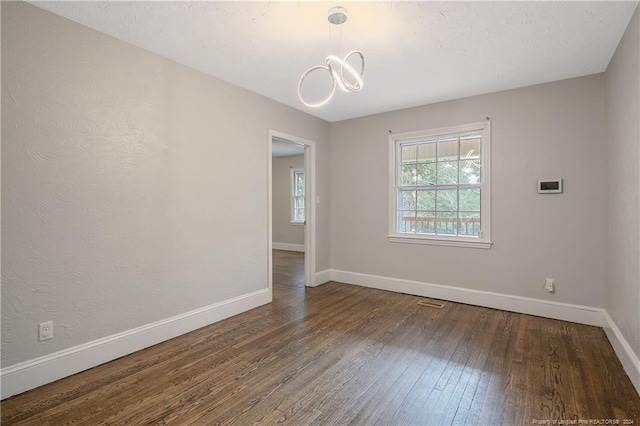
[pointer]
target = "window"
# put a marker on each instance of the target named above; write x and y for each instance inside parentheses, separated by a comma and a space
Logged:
(439, 186)
(297, 196)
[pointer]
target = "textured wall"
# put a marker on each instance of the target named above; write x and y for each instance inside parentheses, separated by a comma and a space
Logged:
(544, 131)
(133, 188)
(283, 230)
(622, 81)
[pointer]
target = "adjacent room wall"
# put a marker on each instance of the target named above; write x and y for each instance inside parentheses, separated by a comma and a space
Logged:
(285, 232)
(553, 130)
(622, 159)
(134, 189)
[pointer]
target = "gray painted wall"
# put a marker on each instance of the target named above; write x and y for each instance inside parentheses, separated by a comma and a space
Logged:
(283, 230)
(123, 202)
(622, 157)
(544, 131)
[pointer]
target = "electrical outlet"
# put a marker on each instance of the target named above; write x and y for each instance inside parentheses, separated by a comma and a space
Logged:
(550, 285)
(45, 330)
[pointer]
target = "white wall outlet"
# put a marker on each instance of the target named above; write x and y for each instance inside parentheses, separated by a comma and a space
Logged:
(45, 330)
(550, 285)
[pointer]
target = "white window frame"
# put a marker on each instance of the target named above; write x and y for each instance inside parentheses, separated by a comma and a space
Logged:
(484, 238)
(293, 196)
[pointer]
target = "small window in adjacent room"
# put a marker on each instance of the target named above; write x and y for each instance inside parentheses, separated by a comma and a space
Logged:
(439, 186)
(297, 196)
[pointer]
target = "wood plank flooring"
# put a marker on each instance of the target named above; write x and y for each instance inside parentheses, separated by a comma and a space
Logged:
(341, 354)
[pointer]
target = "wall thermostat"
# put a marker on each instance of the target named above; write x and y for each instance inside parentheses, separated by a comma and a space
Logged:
(550, 186)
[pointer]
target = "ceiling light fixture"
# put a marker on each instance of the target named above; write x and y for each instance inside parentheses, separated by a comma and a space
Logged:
(342, 74)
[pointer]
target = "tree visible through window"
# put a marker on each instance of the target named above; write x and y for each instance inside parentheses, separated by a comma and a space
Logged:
(297, 196)
(440, 184)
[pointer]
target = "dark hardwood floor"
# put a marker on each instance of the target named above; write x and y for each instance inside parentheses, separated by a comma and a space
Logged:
(339, 354)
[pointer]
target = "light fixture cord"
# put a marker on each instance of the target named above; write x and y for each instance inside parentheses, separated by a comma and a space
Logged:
(339, 50)
(330, 38)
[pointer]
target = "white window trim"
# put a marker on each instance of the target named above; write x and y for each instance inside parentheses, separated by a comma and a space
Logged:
(484, 241)
(292, 180)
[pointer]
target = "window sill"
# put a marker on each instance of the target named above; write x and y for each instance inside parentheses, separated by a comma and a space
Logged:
(440, 241)
(297, 223)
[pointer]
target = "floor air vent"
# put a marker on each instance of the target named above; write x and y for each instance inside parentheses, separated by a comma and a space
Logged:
(431, 304)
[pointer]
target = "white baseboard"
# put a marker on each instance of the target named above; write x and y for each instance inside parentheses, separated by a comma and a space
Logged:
(628, 358)
(525, 305)
(37, 372)
(288, 247)
(322, 277)
(31, 374)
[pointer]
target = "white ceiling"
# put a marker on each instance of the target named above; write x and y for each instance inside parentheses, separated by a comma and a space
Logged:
(285, 149)
(417, 52)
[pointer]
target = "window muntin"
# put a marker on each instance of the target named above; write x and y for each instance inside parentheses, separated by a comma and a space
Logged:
(440, 185)
(297, 196)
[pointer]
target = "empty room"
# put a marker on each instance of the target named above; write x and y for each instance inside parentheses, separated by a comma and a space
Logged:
(393, 213)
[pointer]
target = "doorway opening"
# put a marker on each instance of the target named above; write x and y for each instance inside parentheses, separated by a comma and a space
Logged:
(291, 209)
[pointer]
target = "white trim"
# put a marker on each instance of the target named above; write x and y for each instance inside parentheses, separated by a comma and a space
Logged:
(310, 208)
(37, 372)
(419, 134)
(395, 140)
(289, 247)
(270, 213)
(622, 348)
(412, 239)
(322, 277)
(310, 212)
(525, 305)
